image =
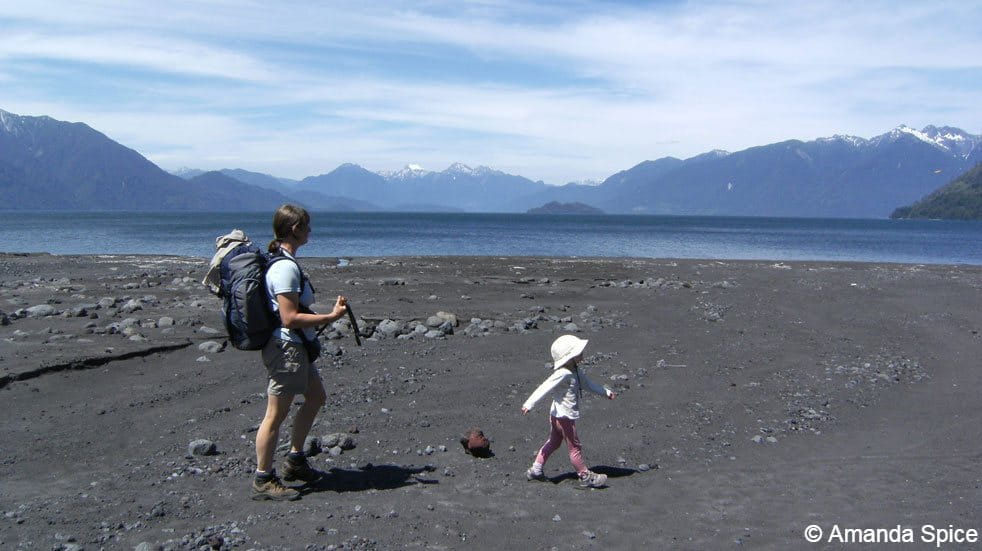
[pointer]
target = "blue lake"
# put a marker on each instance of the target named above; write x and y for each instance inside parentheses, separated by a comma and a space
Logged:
(404, 234)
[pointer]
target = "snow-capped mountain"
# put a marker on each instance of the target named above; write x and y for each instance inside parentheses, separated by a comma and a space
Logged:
(953, 140)
(854, 141)
(415, 171)
(460, 169)
(589, 182)
(459, 187)
(187, 173)
(408, 172)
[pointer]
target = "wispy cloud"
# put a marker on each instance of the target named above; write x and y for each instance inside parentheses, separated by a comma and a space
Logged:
(555, 91)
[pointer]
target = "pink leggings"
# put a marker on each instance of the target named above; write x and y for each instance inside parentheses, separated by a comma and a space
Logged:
(563, 428)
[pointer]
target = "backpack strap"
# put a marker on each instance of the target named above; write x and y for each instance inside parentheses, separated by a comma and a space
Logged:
(303, 282)
(303, 275)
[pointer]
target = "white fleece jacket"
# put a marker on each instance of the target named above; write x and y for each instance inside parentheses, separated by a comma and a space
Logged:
(566, 398)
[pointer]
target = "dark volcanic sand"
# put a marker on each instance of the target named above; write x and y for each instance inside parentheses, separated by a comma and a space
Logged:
(765, 396)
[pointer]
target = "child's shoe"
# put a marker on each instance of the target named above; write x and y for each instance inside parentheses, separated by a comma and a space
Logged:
(531, 475)
(591, 479)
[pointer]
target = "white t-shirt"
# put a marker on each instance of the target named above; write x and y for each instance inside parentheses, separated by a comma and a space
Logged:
(284, 277)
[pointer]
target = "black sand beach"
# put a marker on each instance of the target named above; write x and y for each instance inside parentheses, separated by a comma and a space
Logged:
(756, 399)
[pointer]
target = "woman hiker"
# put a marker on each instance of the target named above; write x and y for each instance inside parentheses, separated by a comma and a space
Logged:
(289, 368)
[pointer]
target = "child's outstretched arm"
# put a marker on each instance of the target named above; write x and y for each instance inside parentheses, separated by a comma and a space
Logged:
(550, 383)
(594, 387)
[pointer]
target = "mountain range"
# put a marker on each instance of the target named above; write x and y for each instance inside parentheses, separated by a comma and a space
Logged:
(55, 165)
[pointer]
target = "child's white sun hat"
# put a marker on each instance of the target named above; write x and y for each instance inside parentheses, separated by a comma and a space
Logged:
(566, 348)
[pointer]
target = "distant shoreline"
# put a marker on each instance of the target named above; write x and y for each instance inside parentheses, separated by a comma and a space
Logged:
(611, 259)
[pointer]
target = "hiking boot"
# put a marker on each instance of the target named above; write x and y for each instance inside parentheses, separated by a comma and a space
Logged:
(530, 476)
(591, 479)
(273, 489)
(299, 470)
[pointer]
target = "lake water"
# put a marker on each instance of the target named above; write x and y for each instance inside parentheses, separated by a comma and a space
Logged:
(404, 234)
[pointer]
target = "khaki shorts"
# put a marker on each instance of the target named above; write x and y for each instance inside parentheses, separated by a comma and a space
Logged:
(288, 368)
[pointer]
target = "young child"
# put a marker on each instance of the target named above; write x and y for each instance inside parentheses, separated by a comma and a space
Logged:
(567, 380)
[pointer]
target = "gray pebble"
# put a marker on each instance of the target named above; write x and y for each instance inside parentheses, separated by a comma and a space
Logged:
(131, 306)
(211, 347)
(434, 321)
(40, 311)
(128, 322)
(447, 316)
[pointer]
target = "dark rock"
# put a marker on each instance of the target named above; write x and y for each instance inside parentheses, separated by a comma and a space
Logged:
(312, 446)
(202, 447)
(475, 443)
(338, 439)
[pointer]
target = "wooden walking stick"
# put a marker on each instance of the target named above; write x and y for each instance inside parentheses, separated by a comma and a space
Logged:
(354, 325)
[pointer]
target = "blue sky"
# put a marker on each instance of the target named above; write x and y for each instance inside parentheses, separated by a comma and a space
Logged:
(558, 91)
